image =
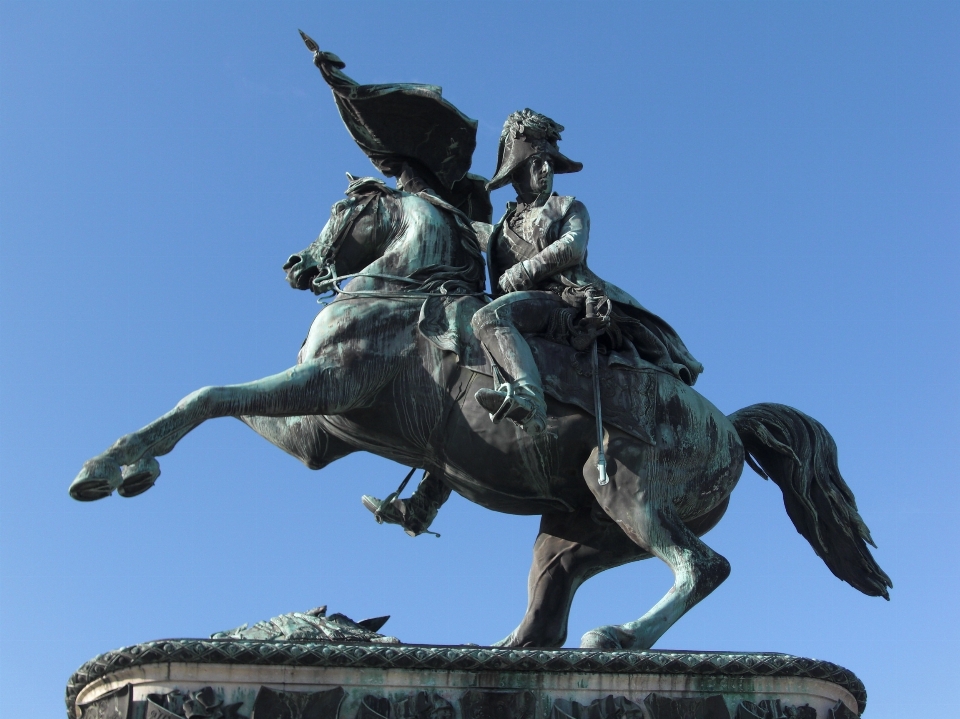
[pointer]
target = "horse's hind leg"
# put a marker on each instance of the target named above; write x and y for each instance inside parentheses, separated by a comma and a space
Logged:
(309, 388)
(302, 437)
(697, 571)
(655, 526)
(571, 548)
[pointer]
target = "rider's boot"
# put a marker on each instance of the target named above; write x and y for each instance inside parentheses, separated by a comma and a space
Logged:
(521, 402)
(414, 514)
(391, 510)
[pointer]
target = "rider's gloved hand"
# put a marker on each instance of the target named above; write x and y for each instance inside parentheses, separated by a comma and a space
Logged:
(516, 279)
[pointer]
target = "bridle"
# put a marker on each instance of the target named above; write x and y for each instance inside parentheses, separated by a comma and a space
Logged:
(327, 279)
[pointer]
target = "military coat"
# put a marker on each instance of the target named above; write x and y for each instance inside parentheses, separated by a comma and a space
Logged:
(549, 243)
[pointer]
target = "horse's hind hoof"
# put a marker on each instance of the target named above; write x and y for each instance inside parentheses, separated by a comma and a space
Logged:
(508, 641)
(98, 478)
(607, 638)
(139, 477)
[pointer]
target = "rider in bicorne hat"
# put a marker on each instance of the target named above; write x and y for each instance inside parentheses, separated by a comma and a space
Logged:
(537, 255)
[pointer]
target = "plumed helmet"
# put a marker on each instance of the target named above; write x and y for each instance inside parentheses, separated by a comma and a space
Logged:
(527, 133)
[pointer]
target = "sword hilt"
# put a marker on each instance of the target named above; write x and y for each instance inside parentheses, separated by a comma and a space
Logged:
(591, 303)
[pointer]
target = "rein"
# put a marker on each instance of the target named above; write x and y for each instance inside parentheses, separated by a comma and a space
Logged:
(342, 294)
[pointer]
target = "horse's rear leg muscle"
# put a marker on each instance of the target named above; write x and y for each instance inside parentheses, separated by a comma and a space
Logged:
(647, 516)
(571, 548)
(309, 388)
(302, 437)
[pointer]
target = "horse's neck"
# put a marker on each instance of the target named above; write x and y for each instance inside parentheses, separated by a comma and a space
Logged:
(419, 236)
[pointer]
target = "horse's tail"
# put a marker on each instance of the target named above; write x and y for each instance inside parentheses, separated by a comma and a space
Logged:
(800, 456)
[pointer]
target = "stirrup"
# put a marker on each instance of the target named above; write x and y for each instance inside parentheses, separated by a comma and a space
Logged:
(517, 403)
(393, 511)
(385, 511)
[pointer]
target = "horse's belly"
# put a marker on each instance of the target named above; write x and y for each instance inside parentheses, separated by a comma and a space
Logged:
(500, 500)
(503, 468)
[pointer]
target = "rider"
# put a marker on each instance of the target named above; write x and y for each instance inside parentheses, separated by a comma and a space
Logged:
(537, 259)
(537, 256)
(539, 237)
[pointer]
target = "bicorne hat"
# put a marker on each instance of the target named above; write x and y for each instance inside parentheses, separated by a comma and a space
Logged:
(527, 133)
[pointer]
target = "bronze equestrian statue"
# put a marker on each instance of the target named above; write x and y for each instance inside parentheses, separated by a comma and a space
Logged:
(393, 365)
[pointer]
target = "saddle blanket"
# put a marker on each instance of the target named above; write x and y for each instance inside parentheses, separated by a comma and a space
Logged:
(628, 384)
(628, 395)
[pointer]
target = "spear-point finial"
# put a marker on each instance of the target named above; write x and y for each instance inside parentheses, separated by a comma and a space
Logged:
(309, 42)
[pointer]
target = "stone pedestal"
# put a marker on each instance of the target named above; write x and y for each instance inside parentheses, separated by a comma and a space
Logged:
(291, 679)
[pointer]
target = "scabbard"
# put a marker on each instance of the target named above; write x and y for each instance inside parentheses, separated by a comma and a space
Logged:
(598, 412)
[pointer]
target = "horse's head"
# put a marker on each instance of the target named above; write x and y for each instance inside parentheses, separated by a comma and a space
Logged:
(352, 238)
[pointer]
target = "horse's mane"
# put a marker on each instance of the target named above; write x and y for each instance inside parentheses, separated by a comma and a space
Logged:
(471, 276)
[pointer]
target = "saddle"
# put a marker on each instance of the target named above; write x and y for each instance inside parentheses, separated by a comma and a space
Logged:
(628, 383)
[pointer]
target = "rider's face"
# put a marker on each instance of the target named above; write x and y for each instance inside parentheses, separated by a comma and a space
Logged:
(533, 178)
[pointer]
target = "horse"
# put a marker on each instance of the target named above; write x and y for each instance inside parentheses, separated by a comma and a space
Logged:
(367, 378)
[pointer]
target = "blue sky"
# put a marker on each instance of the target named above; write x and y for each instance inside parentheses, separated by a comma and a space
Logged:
(780, 181)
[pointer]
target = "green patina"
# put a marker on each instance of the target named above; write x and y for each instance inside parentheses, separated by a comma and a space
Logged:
(557, 394)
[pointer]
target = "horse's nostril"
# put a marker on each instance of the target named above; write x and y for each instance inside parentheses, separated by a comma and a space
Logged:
(292, 261)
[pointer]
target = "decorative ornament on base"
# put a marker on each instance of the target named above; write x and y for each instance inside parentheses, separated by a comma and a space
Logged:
(313, 666)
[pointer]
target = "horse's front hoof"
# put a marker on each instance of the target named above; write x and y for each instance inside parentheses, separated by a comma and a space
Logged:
(97, 479)
(139, 477)
(607, 638)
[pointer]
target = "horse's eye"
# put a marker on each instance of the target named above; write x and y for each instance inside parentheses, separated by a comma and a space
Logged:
(340, 207)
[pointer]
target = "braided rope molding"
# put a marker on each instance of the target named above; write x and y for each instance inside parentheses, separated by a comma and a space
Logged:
(459, 658)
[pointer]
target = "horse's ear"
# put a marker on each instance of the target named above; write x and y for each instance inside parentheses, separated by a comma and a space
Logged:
(351, 178)
(367, 185)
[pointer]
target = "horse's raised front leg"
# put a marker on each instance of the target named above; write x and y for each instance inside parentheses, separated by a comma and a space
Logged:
(313, 387)
(646, 515)
(350, 353)
(571, 548)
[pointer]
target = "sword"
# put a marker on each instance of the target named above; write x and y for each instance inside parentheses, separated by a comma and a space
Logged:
(591, 313)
